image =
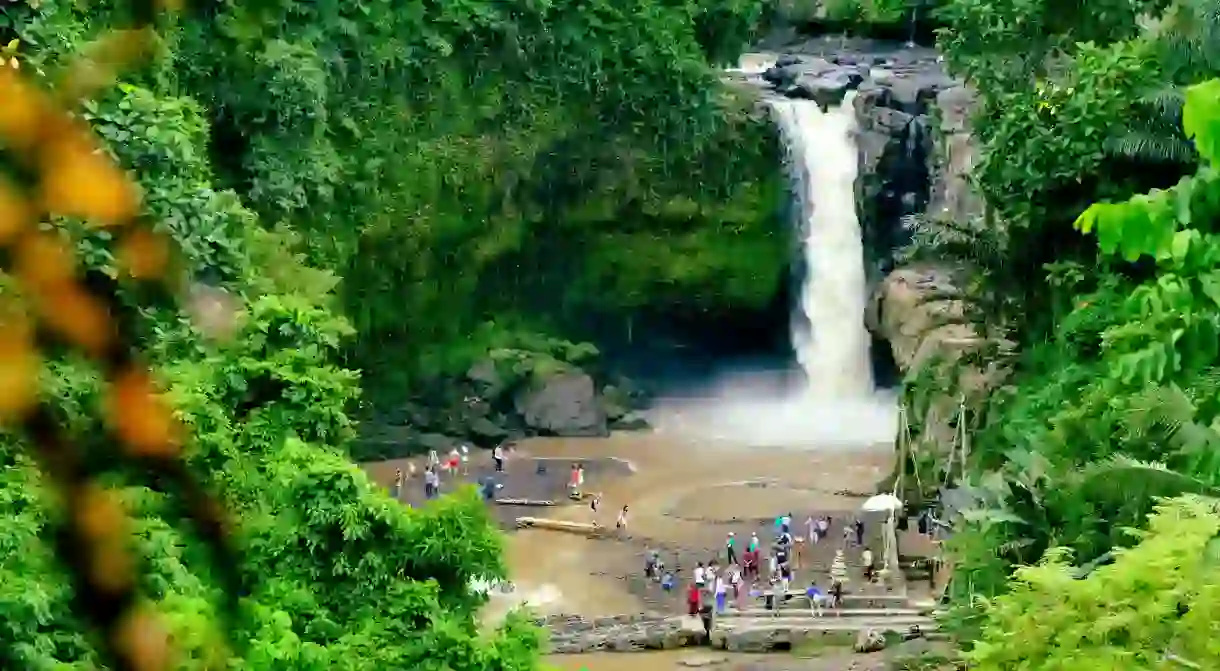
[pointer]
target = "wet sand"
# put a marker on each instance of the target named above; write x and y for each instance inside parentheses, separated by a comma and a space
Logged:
(683, 495)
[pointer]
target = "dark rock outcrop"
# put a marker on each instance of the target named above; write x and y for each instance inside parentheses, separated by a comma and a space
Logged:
(566, 404)
(507, 395)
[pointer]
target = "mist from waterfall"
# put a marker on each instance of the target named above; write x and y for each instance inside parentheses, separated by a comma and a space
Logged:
(831, 401)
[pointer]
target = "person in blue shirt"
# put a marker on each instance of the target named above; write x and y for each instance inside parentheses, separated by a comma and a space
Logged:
(817, 600)
(667, 582)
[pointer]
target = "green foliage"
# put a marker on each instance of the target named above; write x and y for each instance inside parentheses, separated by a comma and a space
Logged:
(1120, 406)
(1157, 599)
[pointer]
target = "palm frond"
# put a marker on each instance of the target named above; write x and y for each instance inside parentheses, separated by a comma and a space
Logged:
(1149, 147)
(1128, 478)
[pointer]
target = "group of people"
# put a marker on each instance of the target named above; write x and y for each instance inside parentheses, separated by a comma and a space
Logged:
(576, 492)
(456, 462)
(742, 575)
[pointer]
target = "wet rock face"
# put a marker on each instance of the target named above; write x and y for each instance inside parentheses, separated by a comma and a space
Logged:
(953, 197)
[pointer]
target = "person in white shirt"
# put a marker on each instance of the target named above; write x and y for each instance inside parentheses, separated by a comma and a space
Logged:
(497, 455)
(699, 574)
(866, 559)
(735, 584)
(721, 593)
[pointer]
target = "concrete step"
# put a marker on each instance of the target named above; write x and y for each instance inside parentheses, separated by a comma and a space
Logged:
(798, 619)
(826, 624)
(842, 612)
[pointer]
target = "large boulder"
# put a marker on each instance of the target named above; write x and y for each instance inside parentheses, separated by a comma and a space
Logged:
(869, 640)
(924, 314)
(563, 404)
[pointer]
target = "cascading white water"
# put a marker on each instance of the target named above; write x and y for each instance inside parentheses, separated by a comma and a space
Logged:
(836, 404)
(829, 337)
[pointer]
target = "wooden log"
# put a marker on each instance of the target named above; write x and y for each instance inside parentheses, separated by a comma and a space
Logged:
(582, 528)
(525, 502)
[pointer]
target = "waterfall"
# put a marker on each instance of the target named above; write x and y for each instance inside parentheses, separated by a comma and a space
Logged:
(836, 404)
(828, 335)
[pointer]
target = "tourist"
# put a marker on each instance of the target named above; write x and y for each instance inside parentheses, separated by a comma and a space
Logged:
(721, 592)
(621, 523)
(781, 556)
(489, 488)
(848, 534)
(823, 527)
(836, 595)
(753, 546)
(817, 600)
(580, 479)
(455, 460)
(650, 565)
(740, 589)
(397, 489)
(709, 576)
(734, 572)
(811, 529)
(699, 575)
(667, 582)
(432, 484)
(859, 532)
(785, 579)
(798, 551)
(694, 595)
(434, 460)
(465, 460)
(866, 559)
(658, 564)
(730, 550)
(573, 485)
(497, 455)
(595, 502)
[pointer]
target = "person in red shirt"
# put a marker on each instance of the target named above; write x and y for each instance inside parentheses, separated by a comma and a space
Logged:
(693, 597)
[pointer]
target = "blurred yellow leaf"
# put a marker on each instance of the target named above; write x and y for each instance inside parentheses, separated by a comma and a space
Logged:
(78, 180)
(19, 367)
(23, 110)
(15, 212)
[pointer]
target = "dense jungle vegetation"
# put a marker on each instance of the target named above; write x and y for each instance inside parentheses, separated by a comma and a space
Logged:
(390, 190)
(385, 190)
(1097, 126)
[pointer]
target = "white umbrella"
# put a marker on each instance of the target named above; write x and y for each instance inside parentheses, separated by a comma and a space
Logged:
(882, 503)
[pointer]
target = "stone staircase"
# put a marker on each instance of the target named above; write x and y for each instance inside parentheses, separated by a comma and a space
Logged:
(747, 630)
(793, 623)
